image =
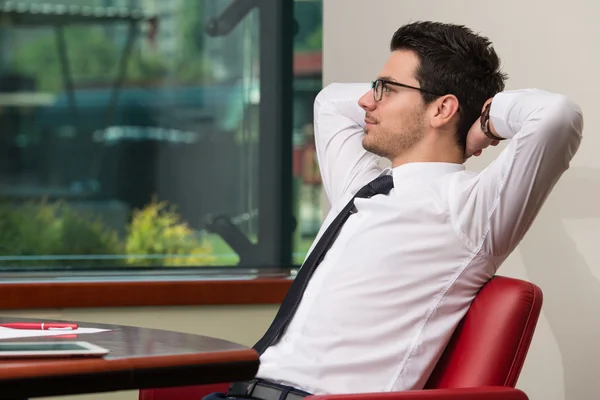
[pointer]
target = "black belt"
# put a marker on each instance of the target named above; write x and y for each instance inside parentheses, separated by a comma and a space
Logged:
(265, 390)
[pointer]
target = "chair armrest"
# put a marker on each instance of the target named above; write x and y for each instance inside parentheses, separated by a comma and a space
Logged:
(478, 393)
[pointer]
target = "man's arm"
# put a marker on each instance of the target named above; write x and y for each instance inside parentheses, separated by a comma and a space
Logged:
(339, 121)
(545, 130)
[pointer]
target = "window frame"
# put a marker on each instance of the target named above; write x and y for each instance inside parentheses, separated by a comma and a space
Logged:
(276, 117)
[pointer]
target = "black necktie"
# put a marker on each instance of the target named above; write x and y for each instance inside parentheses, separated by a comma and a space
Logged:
(380, 185)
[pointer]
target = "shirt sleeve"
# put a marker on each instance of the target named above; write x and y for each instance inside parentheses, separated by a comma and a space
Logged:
(339, 121)
(497, 208)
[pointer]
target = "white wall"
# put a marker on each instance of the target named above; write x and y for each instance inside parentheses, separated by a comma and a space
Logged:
(552, 45)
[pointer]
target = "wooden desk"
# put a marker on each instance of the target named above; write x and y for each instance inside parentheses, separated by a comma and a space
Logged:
(139, 358)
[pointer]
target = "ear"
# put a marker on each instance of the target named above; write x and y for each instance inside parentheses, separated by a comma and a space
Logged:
(443, 110)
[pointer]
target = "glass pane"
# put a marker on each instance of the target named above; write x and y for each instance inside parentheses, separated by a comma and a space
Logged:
(307, 84)
(125, 133)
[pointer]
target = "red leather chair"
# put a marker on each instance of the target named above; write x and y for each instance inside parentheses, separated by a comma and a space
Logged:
(482, 361)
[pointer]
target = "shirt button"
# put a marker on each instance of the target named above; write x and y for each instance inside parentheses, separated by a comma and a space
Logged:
(286, 347)
(306, 294)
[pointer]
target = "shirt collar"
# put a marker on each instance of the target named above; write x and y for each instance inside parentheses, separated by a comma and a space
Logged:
(421, 171)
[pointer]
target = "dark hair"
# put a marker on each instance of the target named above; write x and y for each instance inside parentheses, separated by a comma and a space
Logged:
(453, 60)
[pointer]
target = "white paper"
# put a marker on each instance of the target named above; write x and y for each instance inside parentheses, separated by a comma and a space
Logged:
(9, 333)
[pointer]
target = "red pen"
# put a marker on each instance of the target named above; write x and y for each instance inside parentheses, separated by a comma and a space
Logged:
(46, 326)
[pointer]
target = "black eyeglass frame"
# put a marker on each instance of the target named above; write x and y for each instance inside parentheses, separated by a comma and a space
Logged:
(384, 82)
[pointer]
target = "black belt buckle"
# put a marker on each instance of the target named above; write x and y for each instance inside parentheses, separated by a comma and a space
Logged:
(247, 389)
(242, 389)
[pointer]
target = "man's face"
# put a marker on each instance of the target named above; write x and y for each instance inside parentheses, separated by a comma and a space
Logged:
(396, 123)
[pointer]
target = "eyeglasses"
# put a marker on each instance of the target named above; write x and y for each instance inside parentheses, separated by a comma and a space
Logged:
(379, 85)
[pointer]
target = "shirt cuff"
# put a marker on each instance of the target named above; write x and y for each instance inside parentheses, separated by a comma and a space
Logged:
(501, 110)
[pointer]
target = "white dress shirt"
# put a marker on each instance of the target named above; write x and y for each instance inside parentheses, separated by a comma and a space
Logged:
(385, 300)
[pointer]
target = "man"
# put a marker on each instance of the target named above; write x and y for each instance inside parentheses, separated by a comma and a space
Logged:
(404, 267)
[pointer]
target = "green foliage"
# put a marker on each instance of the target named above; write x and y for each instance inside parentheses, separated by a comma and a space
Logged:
(191, 26)
(45, 229)
(53, 229)
(91, 55)
(92, 58)
(143, 67)
(194, 70)
(313, 42)
(309, 15)
(158, 229)
(190, 64)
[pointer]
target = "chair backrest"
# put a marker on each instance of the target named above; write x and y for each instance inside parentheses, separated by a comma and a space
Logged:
(489, 346)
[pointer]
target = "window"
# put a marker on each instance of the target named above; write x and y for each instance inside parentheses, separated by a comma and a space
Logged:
(146, 134)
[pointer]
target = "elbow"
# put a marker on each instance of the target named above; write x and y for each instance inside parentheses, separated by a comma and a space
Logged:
(325, 94)
(563, 119)
(573, 124)
(567, 129)
(323, 97)
(573, 115)
(569, 114)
